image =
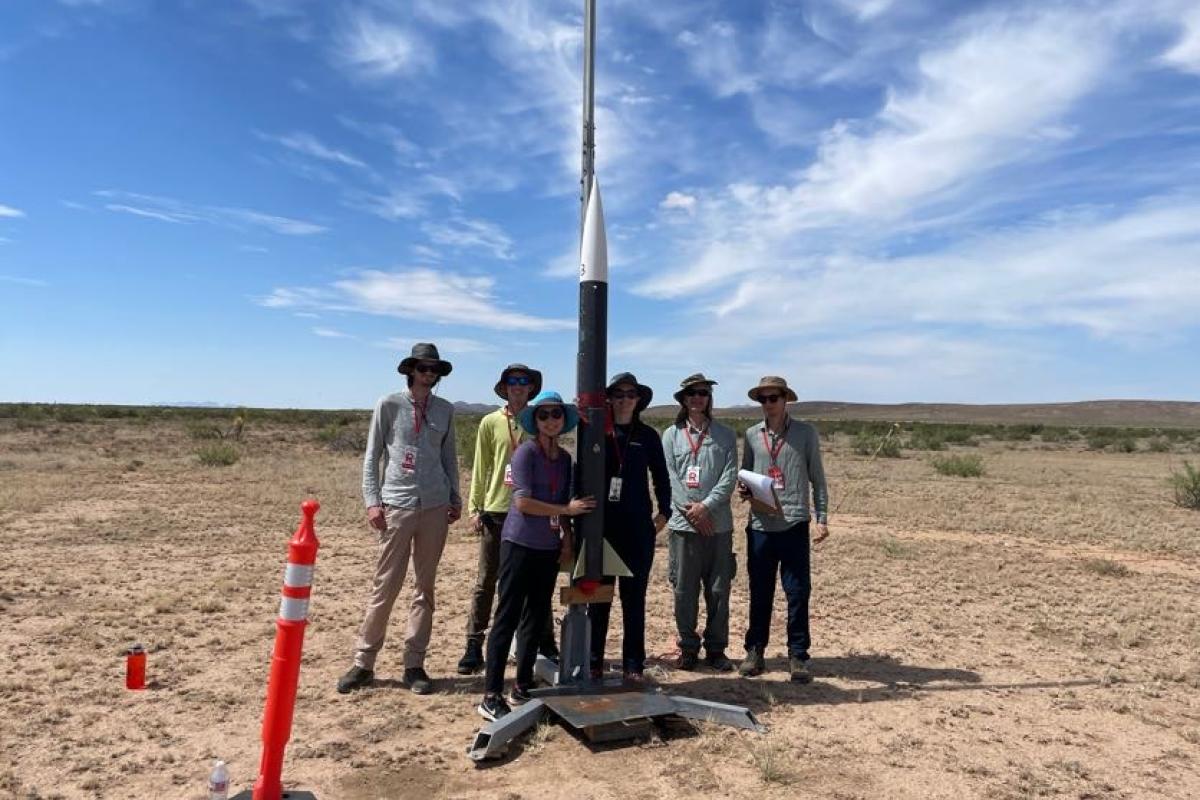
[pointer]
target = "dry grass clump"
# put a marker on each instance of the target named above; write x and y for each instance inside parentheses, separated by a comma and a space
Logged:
(1107, 567)
(218, 455)
(959, 466)
(1187, 487)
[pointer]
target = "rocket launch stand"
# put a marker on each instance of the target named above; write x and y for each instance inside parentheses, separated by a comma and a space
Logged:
(602, 710)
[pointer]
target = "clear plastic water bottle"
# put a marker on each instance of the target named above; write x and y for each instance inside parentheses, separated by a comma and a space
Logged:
(218, 782)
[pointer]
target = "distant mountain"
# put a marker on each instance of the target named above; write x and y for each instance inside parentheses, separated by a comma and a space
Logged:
(1133, 413)
(474, 408)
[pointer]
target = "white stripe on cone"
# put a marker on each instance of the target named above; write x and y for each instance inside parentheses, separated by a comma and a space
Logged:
(298, 575)
(293, 609)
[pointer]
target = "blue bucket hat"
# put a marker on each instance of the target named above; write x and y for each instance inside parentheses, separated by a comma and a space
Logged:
(547, 398)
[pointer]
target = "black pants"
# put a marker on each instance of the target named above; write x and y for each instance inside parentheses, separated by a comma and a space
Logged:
(526, 589)
(783, 554)
(638, 555)
(485, 583)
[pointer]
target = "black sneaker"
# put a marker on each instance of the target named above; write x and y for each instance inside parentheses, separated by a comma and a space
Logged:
(418, 680)
(356, 678)
(798, 670)
(717, 660)
(472, 660)
(519, 695)
(753, 665)
(688, 660)
(493, 707)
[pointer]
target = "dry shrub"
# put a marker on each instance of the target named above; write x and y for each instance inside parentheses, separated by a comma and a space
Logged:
(1187, 487)
(218, 455)
(960, 466)
(1107, 567)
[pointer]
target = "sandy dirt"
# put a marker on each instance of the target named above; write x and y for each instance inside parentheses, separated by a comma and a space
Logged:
(1031, 633)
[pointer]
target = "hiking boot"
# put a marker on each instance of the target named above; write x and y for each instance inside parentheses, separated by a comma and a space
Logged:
(634, 676)
(418, 680)
(472, 660)
(798, 670)
(717, 660)
(519, 695)
(493, 707)
(356, 678)
(753, 665)
(688, 659)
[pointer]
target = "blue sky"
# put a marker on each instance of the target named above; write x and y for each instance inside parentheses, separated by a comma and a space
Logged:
(266, 202)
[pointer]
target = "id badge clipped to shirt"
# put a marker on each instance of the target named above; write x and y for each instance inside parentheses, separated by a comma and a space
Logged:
(691, 478)
(408, 459)
(508, 481)
(554, 524)
(776, 475)
(614, 490)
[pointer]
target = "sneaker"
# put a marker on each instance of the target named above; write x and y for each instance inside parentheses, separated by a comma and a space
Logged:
(356, 678)
(418, 680)
(717, 660)
(798, 670)
(519, 695)
(688, 660)
(634, 676)
(753, 665)
(472, 660)
(493, 707)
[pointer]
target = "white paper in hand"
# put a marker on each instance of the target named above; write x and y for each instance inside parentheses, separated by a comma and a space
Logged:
(762, 491)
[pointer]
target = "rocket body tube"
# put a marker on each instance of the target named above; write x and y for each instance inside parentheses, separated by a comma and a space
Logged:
(591, 368)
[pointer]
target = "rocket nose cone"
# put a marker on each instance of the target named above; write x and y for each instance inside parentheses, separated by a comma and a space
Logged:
(593, 251)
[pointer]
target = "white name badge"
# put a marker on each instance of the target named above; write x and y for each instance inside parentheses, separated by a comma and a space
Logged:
(408, 459)
(614, 490)
(776, 477)
(554, 524)
(508, 481)
(692, 478)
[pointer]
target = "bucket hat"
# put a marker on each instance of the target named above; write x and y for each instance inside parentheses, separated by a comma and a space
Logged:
(547, 398)
(645, 393)
(692, 380)
(533, 374)
(772, 382)
(424, 351)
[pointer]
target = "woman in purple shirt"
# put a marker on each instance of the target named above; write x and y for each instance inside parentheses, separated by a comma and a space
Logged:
(532, 543)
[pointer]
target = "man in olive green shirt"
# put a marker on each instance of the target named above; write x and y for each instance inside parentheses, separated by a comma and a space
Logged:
(491, 494)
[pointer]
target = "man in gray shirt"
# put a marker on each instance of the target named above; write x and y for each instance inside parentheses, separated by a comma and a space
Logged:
(702, 464)
(412, 432)
(788, 451)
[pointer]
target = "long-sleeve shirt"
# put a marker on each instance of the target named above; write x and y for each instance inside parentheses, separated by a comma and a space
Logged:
(498, 438)
(798, 454)
(714, 454)
(635, 452)
(420, 463)
(537, 477)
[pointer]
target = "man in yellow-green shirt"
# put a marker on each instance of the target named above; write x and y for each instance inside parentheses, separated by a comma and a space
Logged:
(491, 494)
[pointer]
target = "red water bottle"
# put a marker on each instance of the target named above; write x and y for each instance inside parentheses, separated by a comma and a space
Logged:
(135, 667)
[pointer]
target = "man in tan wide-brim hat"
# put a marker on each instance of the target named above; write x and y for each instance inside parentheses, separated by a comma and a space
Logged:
(789, 451)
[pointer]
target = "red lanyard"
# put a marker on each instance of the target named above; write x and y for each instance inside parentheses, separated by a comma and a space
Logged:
(687, 429)
(512, 440)
(774, 451)
(418, 416)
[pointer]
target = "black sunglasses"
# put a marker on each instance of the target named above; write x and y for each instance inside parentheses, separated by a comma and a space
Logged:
(623, 394)
(518, 380)
(768, 398)
(426, 368)
(544, 414)
(697, 393)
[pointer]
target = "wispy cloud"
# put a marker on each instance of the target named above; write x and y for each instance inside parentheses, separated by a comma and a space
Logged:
(448, 346)
(330, 333)
(309, 145)
(680, 201)
(461, 233)
(1185, 53)
(165, 209)
(22, 281)
(375, 49)
(431, 296)
(10, 212)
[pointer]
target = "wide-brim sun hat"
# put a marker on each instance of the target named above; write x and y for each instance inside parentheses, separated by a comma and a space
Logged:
(532, 373)
(424, 351)
(529, 424)
(645, 393)
(697, 379)
(772, 382)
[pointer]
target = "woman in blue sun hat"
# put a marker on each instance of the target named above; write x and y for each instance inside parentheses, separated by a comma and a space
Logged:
(533, 541)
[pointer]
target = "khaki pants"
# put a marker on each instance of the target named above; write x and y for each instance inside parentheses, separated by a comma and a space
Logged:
(421, 532)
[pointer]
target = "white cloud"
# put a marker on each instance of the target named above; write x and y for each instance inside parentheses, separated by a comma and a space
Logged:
(427, 295)
(10, 212)
(165, 209)
(374, 49)
(461, 233)
(309, 145)
(405, 150)
(679, 200)
(448, 346)
(1185, 53)
(23, 281)
(330, 333)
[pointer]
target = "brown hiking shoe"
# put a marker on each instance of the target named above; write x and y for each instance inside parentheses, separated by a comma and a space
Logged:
(798, 670)
(688, 660)
(753, 665)
(717, 660)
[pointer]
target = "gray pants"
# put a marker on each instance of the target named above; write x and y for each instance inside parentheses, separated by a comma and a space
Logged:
(420, 533)
(486, 575)
(695, 561)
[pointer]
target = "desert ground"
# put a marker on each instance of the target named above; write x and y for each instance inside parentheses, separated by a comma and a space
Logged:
(1034, 632)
